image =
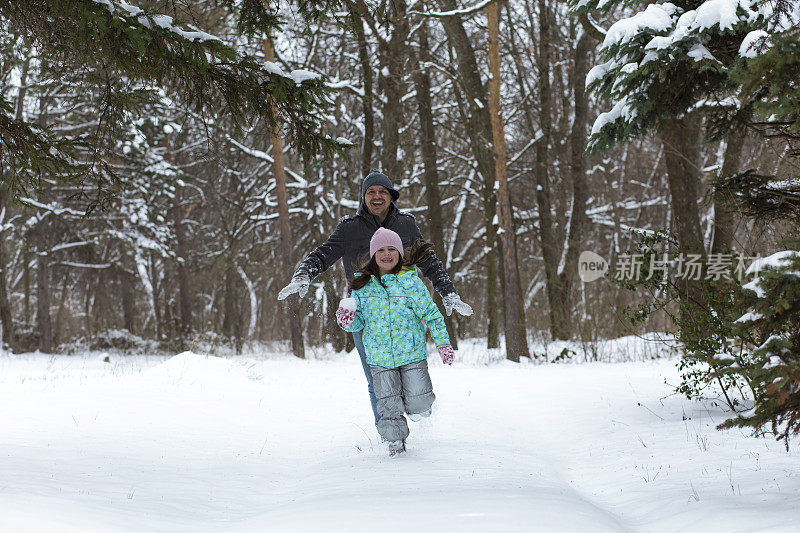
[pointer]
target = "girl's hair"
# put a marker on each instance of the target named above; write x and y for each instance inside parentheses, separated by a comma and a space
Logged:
(419, 252)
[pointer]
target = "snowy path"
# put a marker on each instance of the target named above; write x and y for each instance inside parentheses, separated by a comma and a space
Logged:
(208, 444)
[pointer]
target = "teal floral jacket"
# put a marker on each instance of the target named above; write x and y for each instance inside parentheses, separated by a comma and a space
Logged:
(392, 317)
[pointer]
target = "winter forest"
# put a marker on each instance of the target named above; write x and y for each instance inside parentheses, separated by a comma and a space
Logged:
(167, 164)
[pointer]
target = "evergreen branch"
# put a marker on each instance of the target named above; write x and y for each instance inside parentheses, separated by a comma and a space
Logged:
(123, 54)
(760, 196)
(29, 152)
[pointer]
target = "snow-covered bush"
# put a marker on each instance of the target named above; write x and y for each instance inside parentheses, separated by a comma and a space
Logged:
(773, 318)
(116, 340)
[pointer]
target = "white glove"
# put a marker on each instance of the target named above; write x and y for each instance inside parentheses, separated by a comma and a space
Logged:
(351, 304)
(298, 284)
(452, 302)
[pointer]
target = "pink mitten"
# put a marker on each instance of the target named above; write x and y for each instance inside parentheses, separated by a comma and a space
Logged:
(345, 317)
(447, 354)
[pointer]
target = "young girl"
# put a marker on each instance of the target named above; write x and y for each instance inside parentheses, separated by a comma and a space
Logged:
(390, 303)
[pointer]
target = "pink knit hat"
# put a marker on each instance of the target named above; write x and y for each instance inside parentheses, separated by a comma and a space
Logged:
(385, 237)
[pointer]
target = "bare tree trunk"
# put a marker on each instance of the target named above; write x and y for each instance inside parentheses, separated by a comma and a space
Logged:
(393, 56)
(369, 113)
(26, 283)
(102, 305)
(516, 335)
(433, 196)
(159, 327)
(168, 313)
(184, 292)
(724, 210)
(479, 130)
(298, 348)
(563, 328)
(5, 304)
(6, 316)
(332, 330)
(178, 214)
(59, 327)
(550, 247)
(126, 286)
(681, 139)
(43, 302)
(229, 304)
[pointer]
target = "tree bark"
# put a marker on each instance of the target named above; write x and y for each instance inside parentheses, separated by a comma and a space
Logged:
(369, 113)
(26, 284)
(433, 196)
(126, 286)
(724, 206)
(58, 330)
(6, 316)
(563, 326)
(550, 247)
(159, 326)
(167, 314)
(681, 140)
(332, 330)
(516, 333)
(393, 55)
(184, 292)
(298, 348)
(102, 304)
(479, 130)
(43, 321)
(229, 303)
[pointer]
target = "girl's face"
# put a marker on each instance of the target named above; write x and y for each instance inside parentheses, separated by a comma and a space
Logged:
(387, 258)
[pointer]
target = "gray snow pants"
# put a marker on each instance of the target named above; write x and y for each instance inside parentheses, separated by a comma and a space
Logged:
(405, 389)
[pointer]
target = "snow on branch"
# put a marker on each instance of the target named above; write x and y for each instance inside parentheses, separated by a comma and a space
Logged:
(67, 246)
(162, 21)
(52, 207)
(96, 266)
(455, 12)
(264, 156)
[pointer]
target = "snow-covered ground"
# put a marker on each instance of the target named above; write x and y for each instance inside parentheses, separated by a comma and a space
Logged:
(272, 443)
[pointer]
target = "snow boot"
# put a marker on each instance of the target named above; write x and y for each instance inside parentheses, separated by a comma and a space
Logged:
(396, 446)
(416, 417)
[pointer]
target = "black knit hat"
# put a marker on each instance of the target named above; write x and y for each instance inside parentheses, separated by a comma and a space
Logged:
(376, 177)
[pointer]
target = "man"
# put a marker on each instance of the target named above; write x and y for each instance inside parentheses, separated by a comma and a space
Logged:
(350, 241)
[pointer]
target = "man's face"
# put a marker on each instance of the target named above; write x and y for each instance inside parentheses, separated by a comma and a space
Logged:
(378, 200)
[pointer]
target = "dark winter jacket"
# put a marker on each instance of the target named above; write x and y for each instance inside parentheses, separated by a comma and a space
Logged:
(350, 241)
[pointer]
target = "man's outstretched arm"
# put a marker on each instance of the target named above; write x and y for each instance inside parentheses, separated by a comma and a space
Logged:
(433, 269)
(317, 262)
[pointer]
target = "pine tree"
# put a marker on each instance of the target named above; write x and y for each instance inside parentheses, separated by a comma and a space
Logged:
(730, 60)
(770, 79)
(774, 319)
(126, 57)
(663, 61)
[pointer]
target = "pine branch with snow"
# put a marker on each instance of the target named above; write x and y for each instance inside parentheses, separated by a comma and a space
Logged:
(126, 57)
(774, 318)
(665, 60)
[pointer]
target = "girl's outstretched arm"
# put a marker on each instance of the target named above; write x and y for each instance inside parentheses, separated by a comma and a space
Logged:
(426, 310)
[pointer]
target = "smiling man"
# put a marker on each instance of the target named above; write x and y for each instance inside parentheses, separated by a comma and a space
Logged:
(350, 241)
